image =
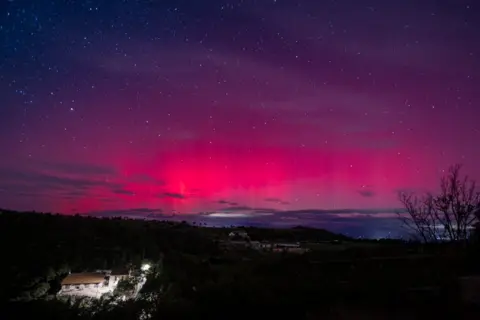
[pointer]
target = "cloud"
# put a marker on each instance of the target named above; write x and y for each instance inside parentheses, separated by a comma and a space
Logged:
(276, 200)
(230, 203)
(129, 213)
(245, 214)
(372, 211)
(229, 215)
(49, 180)
(123, 192)
(265, 211)
(173, 195)
(240, 211)
(139, 178)
(59, 180)
(236, 211)
(236, 208)
(74, 181)
(75, 168)
(366, 193)
(354, 222)
(69, 179)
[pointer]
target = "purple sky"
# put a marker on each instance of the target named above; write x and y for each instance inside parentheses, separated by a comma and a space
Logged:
(242, 112)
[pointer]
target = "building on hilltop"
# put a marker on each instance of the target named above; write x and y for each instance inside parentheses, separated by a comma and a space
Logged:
(91, 284)
(119, 274)
(92, 279)
(239, 235)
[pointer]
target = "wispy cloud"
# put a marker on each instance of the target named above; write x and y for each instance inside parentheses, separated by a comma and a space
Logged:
(50, 180)
(312, 211)
(75, 168)
(173, 195)
(355, 222)
(123, 192)
(130, 213)
(276, 200)
(144, 178)
(366, 193)
(230, 203)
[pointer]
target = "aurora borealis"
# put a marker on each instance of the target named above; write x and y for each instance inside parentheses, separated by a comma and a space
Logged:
(236, 112)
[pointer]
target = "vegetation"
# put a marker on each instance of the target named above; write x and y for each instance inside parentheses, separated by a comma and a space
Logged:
(126, 286)
(449, 215)
(194, 275)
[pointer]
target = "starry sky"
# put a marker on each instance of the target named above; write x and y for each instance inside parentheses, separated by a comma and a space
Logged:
(253, 112)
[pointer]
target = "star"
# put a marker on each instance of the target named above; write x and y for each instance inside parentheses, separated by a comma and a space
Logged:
(238, 100)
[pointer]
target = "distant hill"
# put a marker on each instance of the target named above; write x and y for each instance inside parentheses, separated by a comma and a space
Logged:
(295, 234)
(256, 232)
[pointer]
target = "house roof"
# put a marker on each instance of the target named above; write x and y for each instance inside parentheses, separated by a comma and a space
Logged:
(83, 278)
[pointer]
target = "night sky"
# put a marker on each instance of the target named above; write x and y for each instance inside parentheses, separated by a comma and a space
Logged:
(261, 112)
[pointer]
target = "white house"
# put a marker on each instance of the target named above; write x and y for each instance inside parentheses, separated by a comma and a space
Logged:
(95, 284)
(289, 247)
(239, 234)
(88, 284)
(117, 275)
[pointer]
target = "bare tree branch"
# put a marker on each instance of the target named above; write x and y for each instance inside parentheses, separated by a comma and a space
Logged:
(449, 215)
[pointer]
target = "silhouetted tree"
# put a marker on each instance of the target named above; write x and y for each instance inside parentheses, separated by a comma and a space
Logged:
(449, 215)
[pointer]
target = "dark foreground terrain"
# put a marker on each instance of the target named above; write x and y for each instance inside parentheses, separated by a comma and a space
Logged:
(198, 274)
